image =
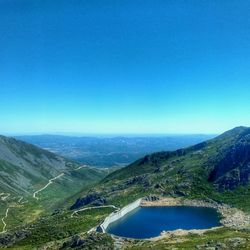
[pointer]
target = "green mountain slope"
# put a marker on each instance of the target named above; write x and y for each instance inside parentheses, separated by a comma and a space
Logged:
(204, 171)
(25, 168)
(217, 169)
(33, 181)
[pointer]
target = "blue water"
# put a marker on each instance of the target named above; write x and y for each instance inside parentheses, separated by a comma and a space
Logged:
(146, 222)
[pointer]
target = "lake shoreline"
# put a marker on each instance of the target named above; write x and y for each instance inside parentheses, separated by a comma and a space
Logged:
(230, 217)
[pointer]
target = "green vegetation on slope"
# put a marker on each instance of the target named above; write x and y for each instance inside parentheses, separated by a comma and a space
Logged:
(26, 169)
(216, 169)
(218, 239)
(60, 226)
(202, 171)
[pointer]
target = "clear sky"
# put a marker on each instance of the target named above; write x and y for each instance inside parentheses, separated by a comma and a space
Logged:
(124, 66)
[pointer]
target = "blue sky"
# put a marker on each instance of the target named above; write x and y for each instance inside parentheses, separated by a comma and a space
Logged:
(87, 66)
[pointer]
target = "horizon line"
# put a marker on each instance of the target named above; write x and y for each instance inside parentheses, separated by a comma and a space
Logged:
(122, 134)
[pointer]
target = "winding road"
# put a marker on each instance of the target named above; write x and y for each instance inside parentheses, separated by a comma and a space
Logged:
(5, 197)
(19, 201)
(88, 208)
(35, 197)
(50, 182)
(84, 166)
(4, 224)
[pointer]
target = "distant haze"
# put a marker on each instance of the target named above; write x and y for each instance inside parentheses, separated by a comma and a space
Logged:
(108, 151)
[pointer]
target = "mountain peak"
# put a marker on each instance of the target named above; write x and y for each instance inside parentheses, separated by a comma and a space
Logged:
(239, 129)
(235, 133)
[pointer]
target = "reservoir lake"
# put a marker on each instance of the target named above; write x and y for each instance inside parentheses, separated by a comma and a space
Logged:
(147, 222)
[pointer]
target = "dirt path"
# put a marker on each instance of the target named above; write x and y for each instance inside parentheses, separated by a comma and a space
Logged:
(5, 197)
(19, 201)
(88, 208)
(50, 182)
(83, 166)
(4, 223)
(34, 196)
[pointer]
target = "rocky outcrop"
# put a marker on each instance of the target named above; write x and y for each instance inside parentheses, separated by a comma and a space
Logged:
(232, 166)
(151, 198)
(10, 238)
(141, 179)
(89, 242)
(94, 199)
(231, 243)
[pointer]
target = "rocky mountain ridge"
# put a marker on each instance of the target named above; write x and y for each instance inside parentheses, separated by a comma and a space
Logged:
(216, 168)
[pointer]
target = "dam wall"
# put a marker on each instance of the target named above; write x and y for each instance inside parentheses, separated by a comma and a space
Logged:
(119, 214)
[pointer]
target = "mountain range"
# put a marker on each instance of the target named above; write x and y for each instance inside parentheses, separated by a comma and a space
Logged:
(215, 170)
(218, 168)
(111, 150)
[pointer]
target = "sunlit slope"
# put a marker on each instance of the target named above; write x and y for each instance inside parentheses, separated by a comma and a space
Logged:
(217, 169)
(26, 168)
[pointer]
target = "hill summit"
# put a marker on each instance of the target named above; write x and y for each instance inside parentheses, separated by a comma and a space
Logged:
(218, 168)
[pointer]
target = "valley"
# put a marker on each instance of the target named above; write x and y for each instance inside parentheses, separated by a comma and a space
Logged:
(199, 176)
(34, 181)
(111, 150)
(124, 125)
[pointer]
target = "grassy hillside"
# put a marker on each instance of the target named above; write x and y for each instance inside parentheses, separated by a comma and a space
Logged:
(25, 167)
(217, 169)
(34, 182)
